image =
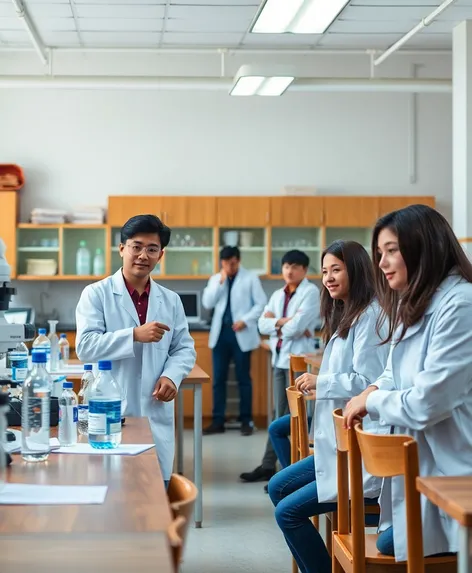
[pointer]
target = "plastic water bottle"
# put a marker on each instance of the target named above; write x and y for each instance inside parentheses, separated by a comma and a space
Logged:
(19, 362)
(3, 428)
(35, 413)
(98, 263)
(85, 385)
(105, 409)
(63, 351)
(43, 343)
(68, 416)
(82, 260)
(54, 358)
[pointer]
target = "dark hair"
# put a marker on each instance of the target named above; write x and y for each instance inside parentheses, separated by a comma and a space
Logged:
(296, 257)
(430, 251)
(146, 224)
(227, 253)
(337, 315)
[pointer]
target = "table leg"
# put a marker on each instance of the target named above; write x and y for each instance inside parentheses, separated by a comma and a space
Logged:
(198, 451)
(180, 431)
(465, 550)
(270, 390)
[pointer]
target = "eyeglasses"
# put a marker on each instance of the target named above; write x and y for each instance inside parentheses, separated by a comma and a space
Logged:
(152, 252)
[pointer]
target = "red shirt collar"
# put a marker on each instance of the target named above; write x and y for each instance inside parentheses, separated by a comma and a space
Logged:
(288, 292)
(132, 290)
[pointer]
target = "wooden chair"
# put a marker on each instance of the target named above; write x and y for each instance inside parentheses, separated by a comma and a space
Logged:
(383, 456)
(297, 364)
(182, 494)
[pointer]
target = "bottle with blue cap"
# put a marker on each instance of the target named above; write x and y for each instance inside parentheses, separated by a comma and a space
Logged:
(104, 421)
(43, 343)
(35, 411)
(85, 385)
(68, 415)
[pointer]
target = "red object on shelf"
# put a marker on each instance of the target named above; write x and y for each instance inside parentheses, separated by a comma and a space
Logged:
(11, 177)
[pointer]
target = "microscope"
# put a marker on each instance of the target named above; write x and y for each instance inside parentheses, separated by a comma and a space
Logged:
(10, 334)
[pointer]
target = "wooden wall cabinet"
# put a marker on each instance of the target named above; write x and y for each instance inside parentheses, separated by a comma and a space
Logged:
(241, 212)
(188, 211)
(388, 204)
(296, 211)
(8, 220)
(350, 211)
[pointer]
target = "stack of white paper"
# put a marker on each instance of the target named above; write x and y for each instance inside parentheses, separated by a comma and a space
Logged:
(33, 494)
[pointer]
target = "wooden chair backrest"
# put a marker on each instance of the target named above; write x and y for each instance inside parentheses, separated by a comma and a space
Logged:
(395, 455)
(297, 364)
(182, 494)
(299, 448)
(342, 448)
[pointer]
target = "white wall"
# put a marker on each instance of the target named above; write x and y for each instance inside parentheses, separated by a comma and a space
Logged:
(78, 147)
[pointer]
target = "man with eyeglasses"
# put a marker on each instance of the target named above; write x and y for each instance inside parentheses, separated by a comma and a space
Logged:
(141, 327)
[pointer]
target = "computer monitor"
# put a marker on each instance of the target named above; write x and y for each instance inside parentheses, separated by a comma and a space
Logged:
(19, 315)
(191, 302)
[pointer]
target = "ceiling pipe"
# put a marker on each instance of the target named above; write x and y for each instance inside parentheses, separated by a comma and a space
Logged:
(229, 51)
(423, 24)
(402, 85)
(38, 45)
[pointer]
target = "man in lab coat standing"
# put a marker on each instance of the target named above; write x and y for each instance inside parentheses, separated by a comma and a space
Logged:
(237, 297)
(141, 327)
(289, 319)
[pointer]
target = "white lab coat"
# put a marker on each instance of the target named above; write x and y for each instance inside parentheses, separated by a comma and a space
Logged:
(349, 366)
(106, 317)
(426, 392)
(304, 307)
(247, 300)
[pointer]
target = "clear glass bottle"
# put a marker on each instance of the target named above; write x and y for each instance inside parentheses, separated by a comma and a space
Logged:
(105, 409)
(35, 412)
(18, 358)
(42, 342)
(68, 416)
(64, 349)
(85, 385)
(54, 340)
(83, 260)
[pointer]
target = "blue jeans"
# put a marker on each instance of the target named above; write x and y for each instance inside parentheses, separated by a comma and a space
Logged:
(386, 547)
(294, 493)
(227, 348)
(279, 432)
(166, 484)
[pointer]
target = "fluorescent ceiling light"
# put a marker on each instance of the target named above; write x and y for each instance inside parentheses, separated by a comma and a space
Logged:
(297, 16)
(251, 80)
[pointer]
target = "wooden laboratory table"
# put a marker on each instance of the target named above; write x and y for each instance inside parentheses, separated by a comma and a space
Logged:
(454, 496)
(128, 531)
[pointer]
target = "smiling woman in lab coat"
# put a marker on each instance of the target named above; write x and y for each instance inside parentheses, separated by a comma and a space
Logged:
(424, 281)
(141, 327)
(352, 360)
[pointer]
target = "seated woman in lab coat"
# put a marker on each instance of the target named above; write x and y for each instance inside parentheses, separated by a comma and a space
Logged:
(352, 360)
(424, 283)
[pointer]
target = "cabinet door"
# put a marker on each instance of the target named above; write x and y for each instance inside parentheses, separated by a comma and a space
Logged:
(349, 211)
(8, 218)
(204, 360)
(188, 211)
(243, 211)
(389, 204)
(121, 208)
(296, 211)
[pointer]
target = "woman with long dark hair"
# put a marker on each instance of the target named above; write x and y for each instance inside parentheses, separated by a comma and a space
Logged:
(423, 278)
(352, 360)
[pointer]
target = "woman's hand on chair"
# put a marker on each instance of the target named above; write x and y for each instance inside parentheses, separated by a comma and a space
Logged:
(356, 408)
(306, 383)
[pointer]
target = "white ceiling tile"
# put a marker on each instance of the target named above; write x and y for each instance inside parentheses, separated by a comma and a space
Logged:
(121, 39)
(385, 13)
(178, 25)
(120, 25)
(299, 40)
(254, 3)
(41, 11)
(58, 24)
(58, 39)
(358, 41)
(220, 40)
(120, 11)
(430, 42)
(7, 10)
(397, 3)
(20, 37)
(383, 27)
(216, 13)
(121, 2)
(11, 24)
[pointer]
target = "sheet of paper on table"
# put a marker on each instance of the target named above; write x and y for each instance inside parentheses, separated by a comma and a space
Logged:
(121, 450)
(32, 494)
